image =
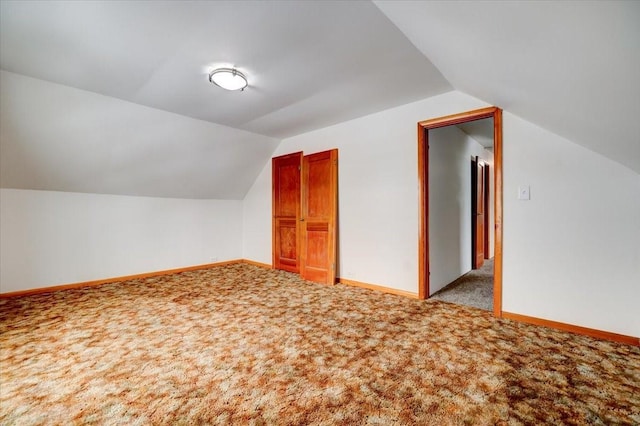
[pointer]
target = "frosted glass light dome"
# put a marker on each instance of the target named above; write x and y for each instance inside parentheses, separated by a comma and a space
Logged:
(228, 78)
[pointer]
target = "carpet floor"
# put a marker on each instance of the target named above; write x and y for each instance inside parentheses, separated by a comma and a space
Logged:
(245, 345)
(474, 288)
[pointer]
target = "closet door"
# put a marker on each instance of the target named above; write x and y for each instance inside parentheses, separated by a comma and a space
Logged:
(286, 211)
(477, 213)
(319, 216)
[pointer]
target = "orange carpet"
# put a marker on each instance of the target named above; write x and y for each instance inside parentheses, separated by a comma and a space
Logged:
(244, 345)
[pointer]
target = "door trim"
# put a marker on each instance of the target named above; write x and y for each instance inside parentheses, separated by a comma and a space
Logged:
(423, 183)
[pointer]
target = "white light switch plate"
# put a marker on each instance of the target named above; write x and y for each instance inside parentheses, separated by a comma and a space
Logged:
(523, 192)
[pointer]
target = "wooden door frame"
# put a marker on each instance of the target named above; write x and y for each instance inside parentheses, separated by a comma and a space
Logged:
(423, 182)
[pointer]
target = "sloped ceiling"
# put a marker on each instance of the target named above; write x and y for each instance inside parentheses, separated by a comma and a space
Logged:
(569, 67)
(55, 137)
(309, 65)
(480, 130)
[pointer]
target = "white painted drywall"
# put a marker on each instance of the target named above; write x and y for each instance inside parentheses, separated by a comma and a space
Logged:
(450, 154)
(256, 219)
(51, 238)
(378, 192)
(571, 253)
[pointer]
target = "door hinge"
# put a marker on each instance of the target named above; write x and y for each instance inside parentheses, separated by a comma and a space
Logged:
(299, 168)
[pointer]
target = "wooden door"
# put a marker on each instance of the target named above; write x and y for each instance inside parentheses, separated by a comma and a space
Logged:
(319, 216)
(487, 206)
(477, 213)
(286, 211)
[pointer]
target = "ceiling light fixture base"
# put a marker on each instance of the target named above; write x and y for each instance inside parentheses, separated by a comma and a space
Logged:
(228, 78)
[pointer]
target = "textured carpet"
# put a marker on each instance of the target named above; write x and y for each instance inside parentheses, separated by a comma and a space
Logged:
(474, 288)
(245, 345)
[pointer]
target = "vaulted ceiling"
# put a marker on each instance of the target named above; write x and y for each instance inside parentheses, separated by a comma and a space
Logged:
(567, 66)
(310, 64)
(570, 67)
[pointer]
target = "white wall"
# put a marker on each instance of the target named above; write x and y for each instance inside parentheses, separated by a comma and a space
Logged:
(571, 253)
(378, 192)
(50, 238)
(256, 218)
(450, 153)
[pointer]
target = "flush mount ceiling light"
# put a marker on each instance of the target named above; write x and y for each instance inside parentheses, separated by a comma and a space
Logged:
(228, 78)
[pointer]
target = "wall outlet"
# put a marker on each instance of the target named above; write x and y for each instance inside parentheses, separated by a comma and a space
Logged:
(214, 259)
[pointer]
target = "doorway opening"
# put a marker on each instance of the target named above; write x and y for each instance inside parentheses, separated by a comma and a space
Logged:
(481, 246)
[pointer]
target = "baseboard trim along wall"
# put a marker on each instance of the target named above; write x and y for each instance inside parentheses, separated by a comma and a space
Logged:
(349, 282)
(377, 288)
(606, 335)
(95, 283)
(254, 263)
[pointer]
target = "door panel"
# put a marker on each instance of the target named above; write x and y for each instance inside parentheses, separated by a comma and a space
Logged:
(487, 206)
(286, 211)
(318, 187)
(287, 242)
(478, 208)
(319, 216)
(316, 266)
(480, 242)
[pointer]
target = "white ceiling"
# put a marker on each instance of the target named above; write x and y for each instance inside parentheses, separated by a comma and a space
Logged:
(53, 137)
(570, 67)
(310, 64)
(479, 130)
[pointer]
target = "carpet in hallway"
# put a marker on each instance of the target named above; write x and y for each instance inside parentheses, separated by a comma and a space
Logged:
(475, 288)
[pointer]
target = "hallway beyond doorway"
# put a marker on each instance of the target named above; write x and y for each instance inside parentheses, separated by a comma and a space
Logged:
(475, 288)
